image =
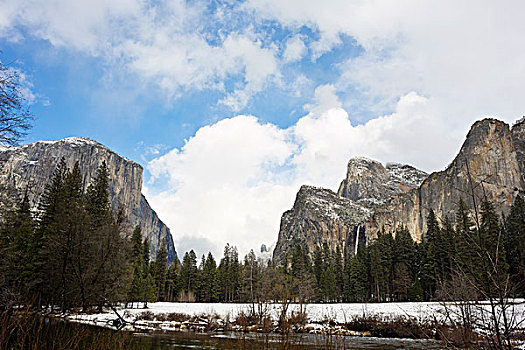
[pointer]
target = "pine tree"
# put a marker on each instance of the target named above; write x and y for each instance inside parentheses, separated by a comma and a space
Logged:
(404, 263)
(230, 274)
(339, 274)
(148, 290)
(514, 241)
(382, 266)
(161, 271)
(50, 209)
(172, 282)
(466, 259)
(138, 283)
(97, 197)
(318, 269)
(109, 270)
(250, 271)
(302, 279)
(136, 243)
(17, 254)
(210, 283)
(145, 250)
(430, 272)
(492, 251)
(188, 273)
(67, 231)
(376, 269)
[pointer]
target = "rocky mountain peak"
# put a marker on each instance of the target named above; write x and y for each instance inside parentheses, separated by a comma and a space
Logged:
(490, 153)
(488, 165)
(326, 203)
(319, 216)
(371, 184)
(32, 166)
(485, 135)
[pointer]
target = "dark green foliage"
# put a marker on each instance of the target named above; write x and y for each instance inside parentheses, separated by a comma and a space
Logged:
(136, 243)
(172, 282)
(356, 277)
(145, 251)
(514, 243)
(143, 286)
(161, 271)
(17, 253)
(189, 273)
(230, 274)
(382, 267)
(210, 283)
(492, 252)
(430, 271)
(76, 253)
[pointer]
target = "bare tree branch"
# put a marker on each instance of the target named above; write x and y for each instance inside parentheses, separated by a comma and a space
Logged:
(15, 117)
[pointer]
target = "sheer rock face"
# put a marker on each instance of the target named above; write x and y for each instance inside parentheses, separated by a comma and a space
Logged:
(492, 154)
(371, 184)
(394, 195)
(31, 166)
(319, 216)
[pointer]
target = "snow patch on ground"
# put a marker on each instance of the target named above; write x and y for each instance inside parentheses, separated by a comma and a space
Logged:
(339, 313)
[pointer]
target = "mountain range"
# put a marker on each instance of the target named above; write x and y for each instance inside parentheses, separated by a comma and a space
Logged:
(490, 165)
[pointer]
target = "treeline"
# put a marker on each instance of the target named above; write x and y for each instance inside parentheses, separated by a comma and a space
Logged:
(75, 252)
(480, 256)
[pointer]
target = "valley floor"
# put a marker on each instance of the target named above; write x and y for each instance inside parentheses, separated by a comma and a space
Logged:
(316, 313)
(319, 317)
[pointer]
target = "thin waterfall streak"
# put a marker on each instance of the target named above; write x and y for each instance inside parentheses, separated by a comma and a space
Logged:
(357, 239)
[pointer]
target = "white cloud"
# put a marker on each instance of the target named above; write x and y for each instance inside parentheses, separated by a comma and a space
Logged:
(166, 43)
(259, 65)
(225, 184)
(325, 98)
(232, 180)
(467, 56)
(295, 49)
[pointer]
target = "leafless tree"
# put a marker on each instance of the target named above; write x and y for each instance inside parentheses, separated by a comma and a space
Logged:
(15, 117)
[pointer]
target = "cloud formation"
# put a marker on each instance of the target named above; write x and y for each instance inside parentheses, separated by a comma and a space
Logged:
(396, 81)
(167, 44)
(233, 179)
(467, 56)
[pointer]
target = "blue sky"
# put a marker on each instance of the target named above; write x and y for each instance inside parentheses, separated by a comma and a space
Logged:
(79, 94)
(231, 105)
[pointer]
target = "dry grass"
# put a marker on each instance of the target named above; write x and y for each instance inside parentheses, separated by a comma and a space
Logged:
(26, 329)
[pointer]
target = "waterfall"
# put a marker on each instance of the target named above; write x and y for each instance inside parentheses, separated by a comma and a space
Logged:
(357, 239)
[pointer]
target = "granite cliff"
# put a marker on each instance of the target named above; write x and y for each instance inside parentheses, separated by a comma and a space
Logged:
(319, 215)
(33, 165)
(371, 184)
(491, 163)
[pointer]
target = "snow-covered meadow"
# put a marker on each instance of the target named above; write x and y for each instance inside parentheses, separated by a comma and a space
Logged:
(316, 313)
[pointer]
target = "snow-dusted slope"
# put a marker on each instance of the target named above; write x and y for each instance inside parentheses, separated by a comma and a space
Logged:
(374, 197)
(371, 184)
(320, 216)
(31, 166)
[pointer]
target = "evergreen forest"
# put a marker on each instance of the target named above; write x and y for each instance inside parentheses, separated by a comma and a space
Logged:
(74, 252)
